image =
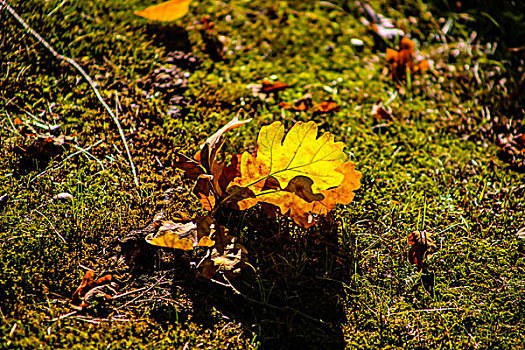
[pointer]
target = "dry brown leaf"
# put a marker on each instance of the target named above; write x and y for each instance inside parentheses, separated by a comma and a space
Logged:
(420, 243)
(207, 156)
(192, 169)
(204, 191)
(227, 256)
(90, 288)
(326, 107)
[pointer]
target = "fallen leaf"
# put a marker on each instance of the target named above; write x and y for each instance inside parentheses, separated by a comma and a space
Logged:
(299, 203)
(301, 153)
(300, 105)
(326, 107)
(273, 86)
(166, 11)
(90, 288)
(420, 243)
(209, 149)
(205, 242)
(176, 235)
(192, 169)
(300, 174)
(226, 257)
(203, 190)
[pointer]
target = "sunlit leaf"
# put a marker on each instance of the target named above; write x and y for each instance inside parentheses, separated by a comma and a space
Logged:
(175, 235)
(166, 11)
(301, 174)
(301, 153)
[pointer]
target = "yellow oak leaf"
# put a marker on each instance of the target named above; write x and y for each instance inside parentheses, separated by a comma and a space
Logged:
(166, 11)
(302, 175)
(301, 207)
(300, 154)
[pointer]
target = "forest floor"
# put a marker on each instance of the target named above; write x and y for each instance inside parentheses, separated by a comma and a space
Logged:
(441, 151)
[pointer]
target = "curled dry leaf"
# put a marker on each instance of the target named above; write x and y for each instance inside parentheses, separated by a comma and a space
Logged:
(192, 169)
(300, 105)
(301, 174)
(207, 156)
(226, 257)
(212, 177)
(420, 243)
(90, 288)
(166, 11)
(179, 235)
(326, 107)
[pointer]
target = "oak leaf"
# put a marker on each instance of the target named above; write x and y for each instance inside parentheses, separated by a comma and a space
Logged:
(166, 11)
(301, 174)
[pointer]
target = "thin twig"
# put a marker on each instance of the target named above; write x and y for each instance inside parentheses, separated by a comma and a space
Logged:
(69, 314)
(85, 75)
(50, 223)
(89, 155)
(130, 292)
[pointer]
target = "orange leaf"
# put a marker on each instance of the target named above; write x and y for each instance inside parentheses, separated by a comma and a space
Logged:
(420, 243)
(191, 168)
(79, 296)
(299, 203)
(269, 86)
(301, 174)
(300, 105)
(203, 190)
(325, 107)
(166, 11)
